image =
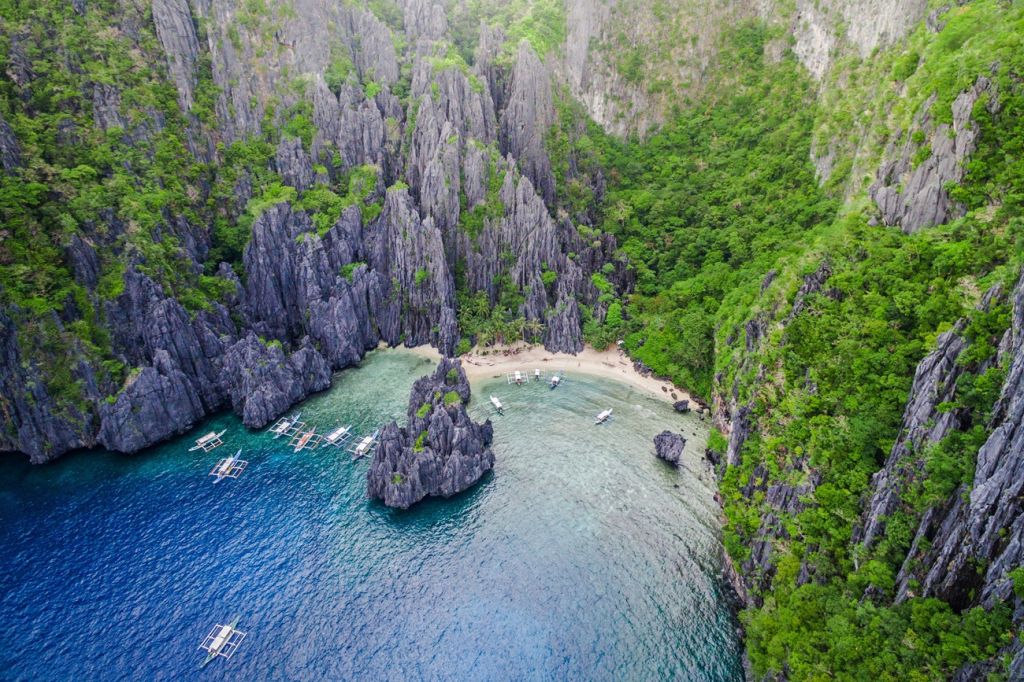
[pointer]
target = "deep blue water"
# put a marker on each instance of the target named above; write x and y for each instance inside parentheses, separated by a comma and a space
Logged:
(581, 557)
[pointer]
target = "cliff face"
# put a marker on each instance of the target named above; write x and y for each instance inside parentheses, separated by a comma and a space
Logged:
(628, 61)
(955, 537)
(966, 544)
(396, 176)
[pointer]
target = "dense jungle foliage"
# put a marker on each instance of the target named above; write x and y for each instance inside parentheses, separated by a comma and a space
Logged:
(722, 216)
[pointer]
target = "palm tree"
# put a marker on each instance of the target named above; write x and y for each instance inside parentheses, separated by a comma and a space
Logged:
(515, 328)
(534, 328)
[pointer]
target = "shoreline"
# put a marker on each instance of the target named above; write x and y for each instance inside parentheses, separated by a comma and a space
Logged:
(496, 361)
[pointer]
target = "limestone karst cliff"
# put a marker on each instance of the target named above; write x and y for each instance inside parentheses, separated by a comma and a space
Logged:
(341, 178)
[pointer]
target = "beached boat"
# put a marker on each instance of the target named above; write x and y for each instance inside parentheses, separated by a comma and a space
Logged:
(604, 416)
(222, 641)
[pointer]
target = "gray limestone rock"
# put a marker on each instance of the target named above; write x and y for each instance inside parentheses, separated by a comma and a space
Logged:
(914, 197)
(526, 118)
(440, 453)
(981, 538)
(36, 423)
(177, 34)
(106, 106)
(669, 446)
(10, 150)
(157, 402)
(263, 382)
(293, 164)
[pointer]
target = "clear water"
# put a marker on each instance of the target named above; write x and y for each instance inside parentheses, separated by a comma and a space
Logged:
(581, 557)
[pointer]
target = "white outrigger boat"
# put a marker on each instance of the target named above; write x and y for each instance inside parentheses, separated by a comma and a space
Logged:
(305, 440)
(285, 426)
(222, 641)
(208, 442)
(517, 378)
(603, 417)
(556, 380)
(497, 405)
(538, 374)
(229, 467)
(365, 446)
(338, 436)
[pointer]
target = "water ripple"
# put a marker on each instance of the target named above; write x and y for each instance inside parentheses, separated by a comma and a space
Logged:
(580, 557)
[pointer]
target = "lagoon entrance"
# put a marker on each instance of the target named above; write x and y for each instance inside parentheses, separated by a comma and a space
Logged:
(582, 556)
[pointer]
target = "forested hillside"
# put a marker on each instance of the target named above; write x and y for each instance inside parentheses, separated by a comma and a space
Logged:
(790, 295)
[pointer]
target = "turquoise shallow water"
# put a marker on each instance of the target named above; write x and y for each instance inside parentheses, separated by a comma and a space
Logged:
(580, 557)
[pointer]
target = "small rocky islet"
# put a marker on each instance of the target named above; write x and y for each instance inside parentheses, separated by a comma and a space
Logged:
(440, 452)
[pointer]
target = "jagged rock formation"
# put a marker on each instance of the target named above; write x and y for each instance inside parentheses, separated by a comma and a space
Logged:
(785, 492)
(10, 151)
(966, 546)
(177, 33)
(529, 112)
(158, 402)
(669, 447)
(389, 99)
(924, 423)
(440, 452)
(915, 196)
(295, 286)
(263, 382)
(34, 421)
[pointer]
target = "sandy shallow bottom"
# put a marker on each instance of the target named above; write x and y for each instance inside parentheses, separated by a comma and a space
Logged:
(611, 364)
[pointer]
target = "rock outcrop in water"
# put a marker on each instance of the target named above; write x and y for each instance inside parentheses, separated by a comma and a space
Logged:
(440, 452)
(669, 447)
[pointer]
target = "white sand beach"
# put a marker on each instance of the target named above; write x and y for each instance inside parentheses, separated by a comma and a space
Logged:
(613, 363)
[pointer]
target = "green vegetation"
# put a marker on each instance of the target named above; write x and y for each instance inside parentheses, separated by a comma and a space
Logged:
(339, 70)
(578, 150)
(541, 23)
(1017, 576)
(719, 214)
(114, 187)
(326, 206)
(348, 270)
(706, 207)
(722, 218)
(820, 631)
